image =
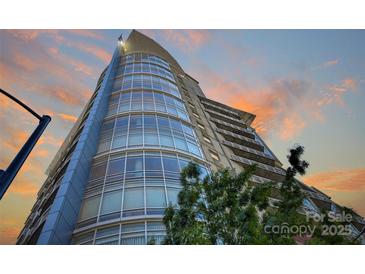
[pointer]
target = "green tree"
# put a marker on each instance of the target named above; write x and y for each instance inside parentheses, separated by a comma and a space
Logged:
(220, 209)
(287, 209)
(224, 208)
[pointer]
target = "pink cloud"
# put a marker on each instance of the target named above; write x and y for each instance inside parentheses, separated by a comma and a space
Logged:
(67, 117)
(351, 180)
(283, 107)
(186, 40)
(91, 49)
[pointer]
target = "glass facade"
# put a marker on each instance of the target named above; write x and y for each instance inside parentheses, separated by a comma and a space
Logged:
(147, 101)
(148, 130)
(133, 233)
(146, 140)
(143, 81)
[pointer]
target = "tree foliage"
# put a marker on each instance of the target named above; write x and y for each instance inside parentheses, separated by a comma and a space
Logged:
(225, 208)
(220, 209)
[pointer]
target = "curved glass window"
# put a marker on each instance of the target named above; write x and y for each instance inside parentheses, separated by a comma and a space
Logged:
(136, 184)
(146, 100)
(90, 208)
(125, 234)
(143, 57)
(147, 68)
(139, 81)
(151, 130)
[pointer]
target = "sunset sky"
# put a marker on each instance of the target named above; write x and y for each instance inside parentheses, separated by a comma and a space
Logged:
(305, 86)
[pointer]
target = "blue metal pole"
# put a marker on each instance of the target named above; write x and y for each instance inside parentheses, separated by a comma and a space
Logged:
(7, 176)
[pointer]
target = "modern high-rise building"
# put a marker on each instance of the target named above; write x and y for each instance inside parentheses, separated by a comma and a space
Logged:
(120, 165)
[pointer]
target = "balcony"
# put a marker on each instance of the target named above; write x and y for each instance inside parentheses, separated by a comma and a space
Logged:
(241, 140)
(221, 110)
(244, 116)
(232, 128)
(250, 153)
(266, 171)
(226, 118)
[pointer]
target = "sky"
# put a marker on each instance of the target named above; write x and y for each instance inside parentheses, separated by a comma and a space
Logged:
(304, 86)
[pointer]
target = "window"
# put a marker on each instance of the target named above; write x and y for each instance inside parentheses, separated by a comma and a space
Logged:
(111, 202)
(307, 204)
(97, 171)
(90, 208)
(183, 163)
(201, 126)
(172, 195)
(214, 155)
(194, 149)
(116, 166)
(119, 141)
(134, 164)
(153, 162)
(170, 164)
(181, 144)
(155, 197)
(207, 140)
(133, 198)
(112, 230)
(166, 140)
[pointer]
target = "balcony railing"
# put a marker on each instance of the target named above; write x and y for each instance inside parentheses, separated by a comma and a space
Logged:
(244, 131)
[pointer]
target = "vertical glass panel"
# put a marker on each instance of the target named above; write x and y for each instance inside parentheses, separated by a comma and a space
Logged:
(166, 140)
(203, 172)
(163, 122)
(176, 125)
(159, 98)
(133, 198)
(188, 130)
(151, 139)
(172, 195)
(90, 208)
(153, 163)
(116, 166)
(113, 240)
(124, 102)
(194, 149)
(136, 122)
(119, 141)
(181, 144)
(155, 197)
(97, 171)
(111, 202)
(134, 164)
(183, 163)
(170, 164)
(135, 140)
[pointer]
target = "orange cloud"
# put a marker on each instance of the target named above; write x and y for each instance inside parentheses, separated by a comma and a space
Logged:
(23, 188)
(67, 117)
(352, 180)
(331, 63)
(27, 35)
(78, 66)
(291, 126)
(50, 140)
(15, 139)
(91, 49)
(274, 105)
(283, 107)
(8, 232)
(186, 40)
(349, 83)
(86, 33)
(337, 91)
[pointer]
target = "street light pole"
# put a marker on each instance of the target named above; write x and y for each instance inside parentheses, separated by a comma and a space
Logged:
(7, 176)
